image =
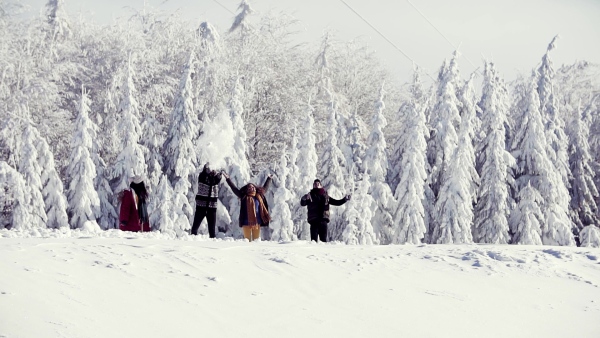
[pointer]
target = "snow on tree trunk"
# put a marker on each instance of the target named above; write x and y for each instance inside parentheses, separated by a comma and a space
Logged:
(526, 219)
(31, 170)
(55, 200)
(590, 237)
(495, 163)
(14, 200)
(84, 203)
(281, 223)
(358, 214)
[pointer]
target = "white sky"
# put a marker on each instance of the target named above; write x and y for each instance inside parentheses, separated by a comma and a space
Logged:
(73, 283)
(513, 33)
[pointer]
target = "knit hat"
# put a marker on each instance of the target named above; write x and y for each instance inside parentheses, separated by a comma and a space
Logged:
(317, 180)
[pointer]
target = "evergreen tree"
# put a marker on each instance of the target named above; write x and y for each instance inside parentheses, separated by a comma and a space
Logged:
(84, 203)
(241, 18)
(332, 172)
(533, 166)
(526, 219)
(583, 192)
(281, 224)
(14, 200)
(152, 142)
(108, 218)
(376, 167)
(57, 19)
(53, 190)
(444, 121)
(494, 164)
(162, 216)
(410, 217)
(359, 229)
(130, 160)
(454, 205)
(590, 236)
(31, 170)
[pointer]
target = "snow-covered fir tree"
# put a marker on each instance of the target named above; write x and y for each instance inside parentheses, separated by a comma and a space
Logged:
(55, 200)
(108, 218)
(10, 141)
(84, 203)
(57, 19)
(130, 160)
(152, 142)
(410, 217)
(454, 205)
(555, 126)
(240, 21)
(356, 144)
(237, 165)
(31, 170)
(332, 173)
(533, 166)
(14, 200)
(583, 191)
(162, 216)
(494, 164)
(444, 121)
(589, 236)
(281, 223)
(376, 168)
(526, 219)
(358, 214)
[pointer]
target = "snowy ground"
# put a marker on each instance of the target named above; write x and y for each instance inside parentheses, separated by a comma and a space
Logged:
(130, 285)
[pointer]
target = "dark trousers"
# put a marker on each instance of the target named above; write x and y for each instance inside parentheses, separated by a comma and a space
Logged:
(211, 219)
(318, 227)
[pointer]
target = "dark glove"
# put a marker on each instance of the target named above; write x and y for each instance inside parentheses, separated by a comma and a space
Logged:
(348, 197)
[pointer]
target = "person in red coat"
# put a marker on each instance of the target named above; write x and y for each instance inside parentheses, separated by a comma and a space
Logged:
(134, 212)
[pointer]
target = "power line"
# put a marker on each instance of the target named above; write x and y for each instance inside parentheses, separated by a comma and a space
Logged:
(227, 9)
(383, 36)
(442, 34)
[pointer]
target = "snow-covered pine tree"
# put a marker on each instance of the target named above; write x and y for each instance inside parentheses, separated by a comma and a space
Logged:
(152, 142)
(411, 214)
(356, 144)
(376, 168)
(583, 191)
(281, 223)
(31, 170)
(108, 218)
(179, 154)
(84, 203)
(444, 121)
(590, 236)
(332, 172)
(533, 166)
(358, 214)
(241, 18)
(556, 138)
(130, 160)
(10, 141)
(55, 200)
(494, 164)
(526, 219)
(454, 205)
(238, 166)
(14, 200)
(162, 217)
(307, 169)
(57, 19)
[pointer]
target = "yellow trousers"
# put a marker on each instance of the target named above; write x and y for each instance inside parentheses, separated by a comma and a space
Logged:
(251, 233)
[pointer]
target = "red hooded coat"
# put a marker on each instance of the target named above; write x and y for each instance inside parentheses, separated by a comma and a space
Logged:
(129, 220)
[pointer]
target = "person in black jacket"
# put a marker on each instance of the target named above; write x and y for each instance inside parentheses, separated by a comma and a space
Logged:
(206, 200)
(318, 201)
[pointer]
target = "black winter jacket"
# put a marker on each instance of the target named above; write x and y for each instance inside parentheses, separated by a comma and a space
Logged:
(241, 194)
(318, 202)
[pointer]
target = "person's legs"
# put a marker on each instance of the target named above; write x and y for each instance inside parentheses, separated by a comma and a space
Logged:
(211, 219)
(323, 231)
(314, 230)
(198, 217)
(255, 232)
(247, 232)
(251, 233)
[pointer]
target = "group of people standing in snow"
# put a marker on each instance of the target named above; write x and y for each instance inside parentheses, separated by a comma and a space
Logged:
(254, 208)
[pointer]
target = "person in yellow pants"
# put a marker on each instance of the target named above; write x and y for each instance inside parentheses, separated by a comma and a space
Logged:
(254, 209)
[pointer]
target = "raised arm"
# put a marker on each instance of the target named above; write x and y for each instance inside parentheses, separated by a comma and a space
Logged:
(333, 201)
(268, 183)
(235, 190)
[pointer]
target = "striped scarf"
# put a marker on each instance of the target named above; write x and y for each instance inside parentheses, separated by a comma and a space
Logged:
(251, 209)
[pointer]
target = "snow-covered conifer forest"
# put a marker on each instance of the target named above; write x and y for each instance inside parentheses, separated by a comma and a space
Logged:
(447, 158)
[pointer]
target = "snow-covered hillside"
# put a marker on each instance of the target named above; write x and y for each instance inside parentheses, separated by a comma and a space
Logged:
(116, 284)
